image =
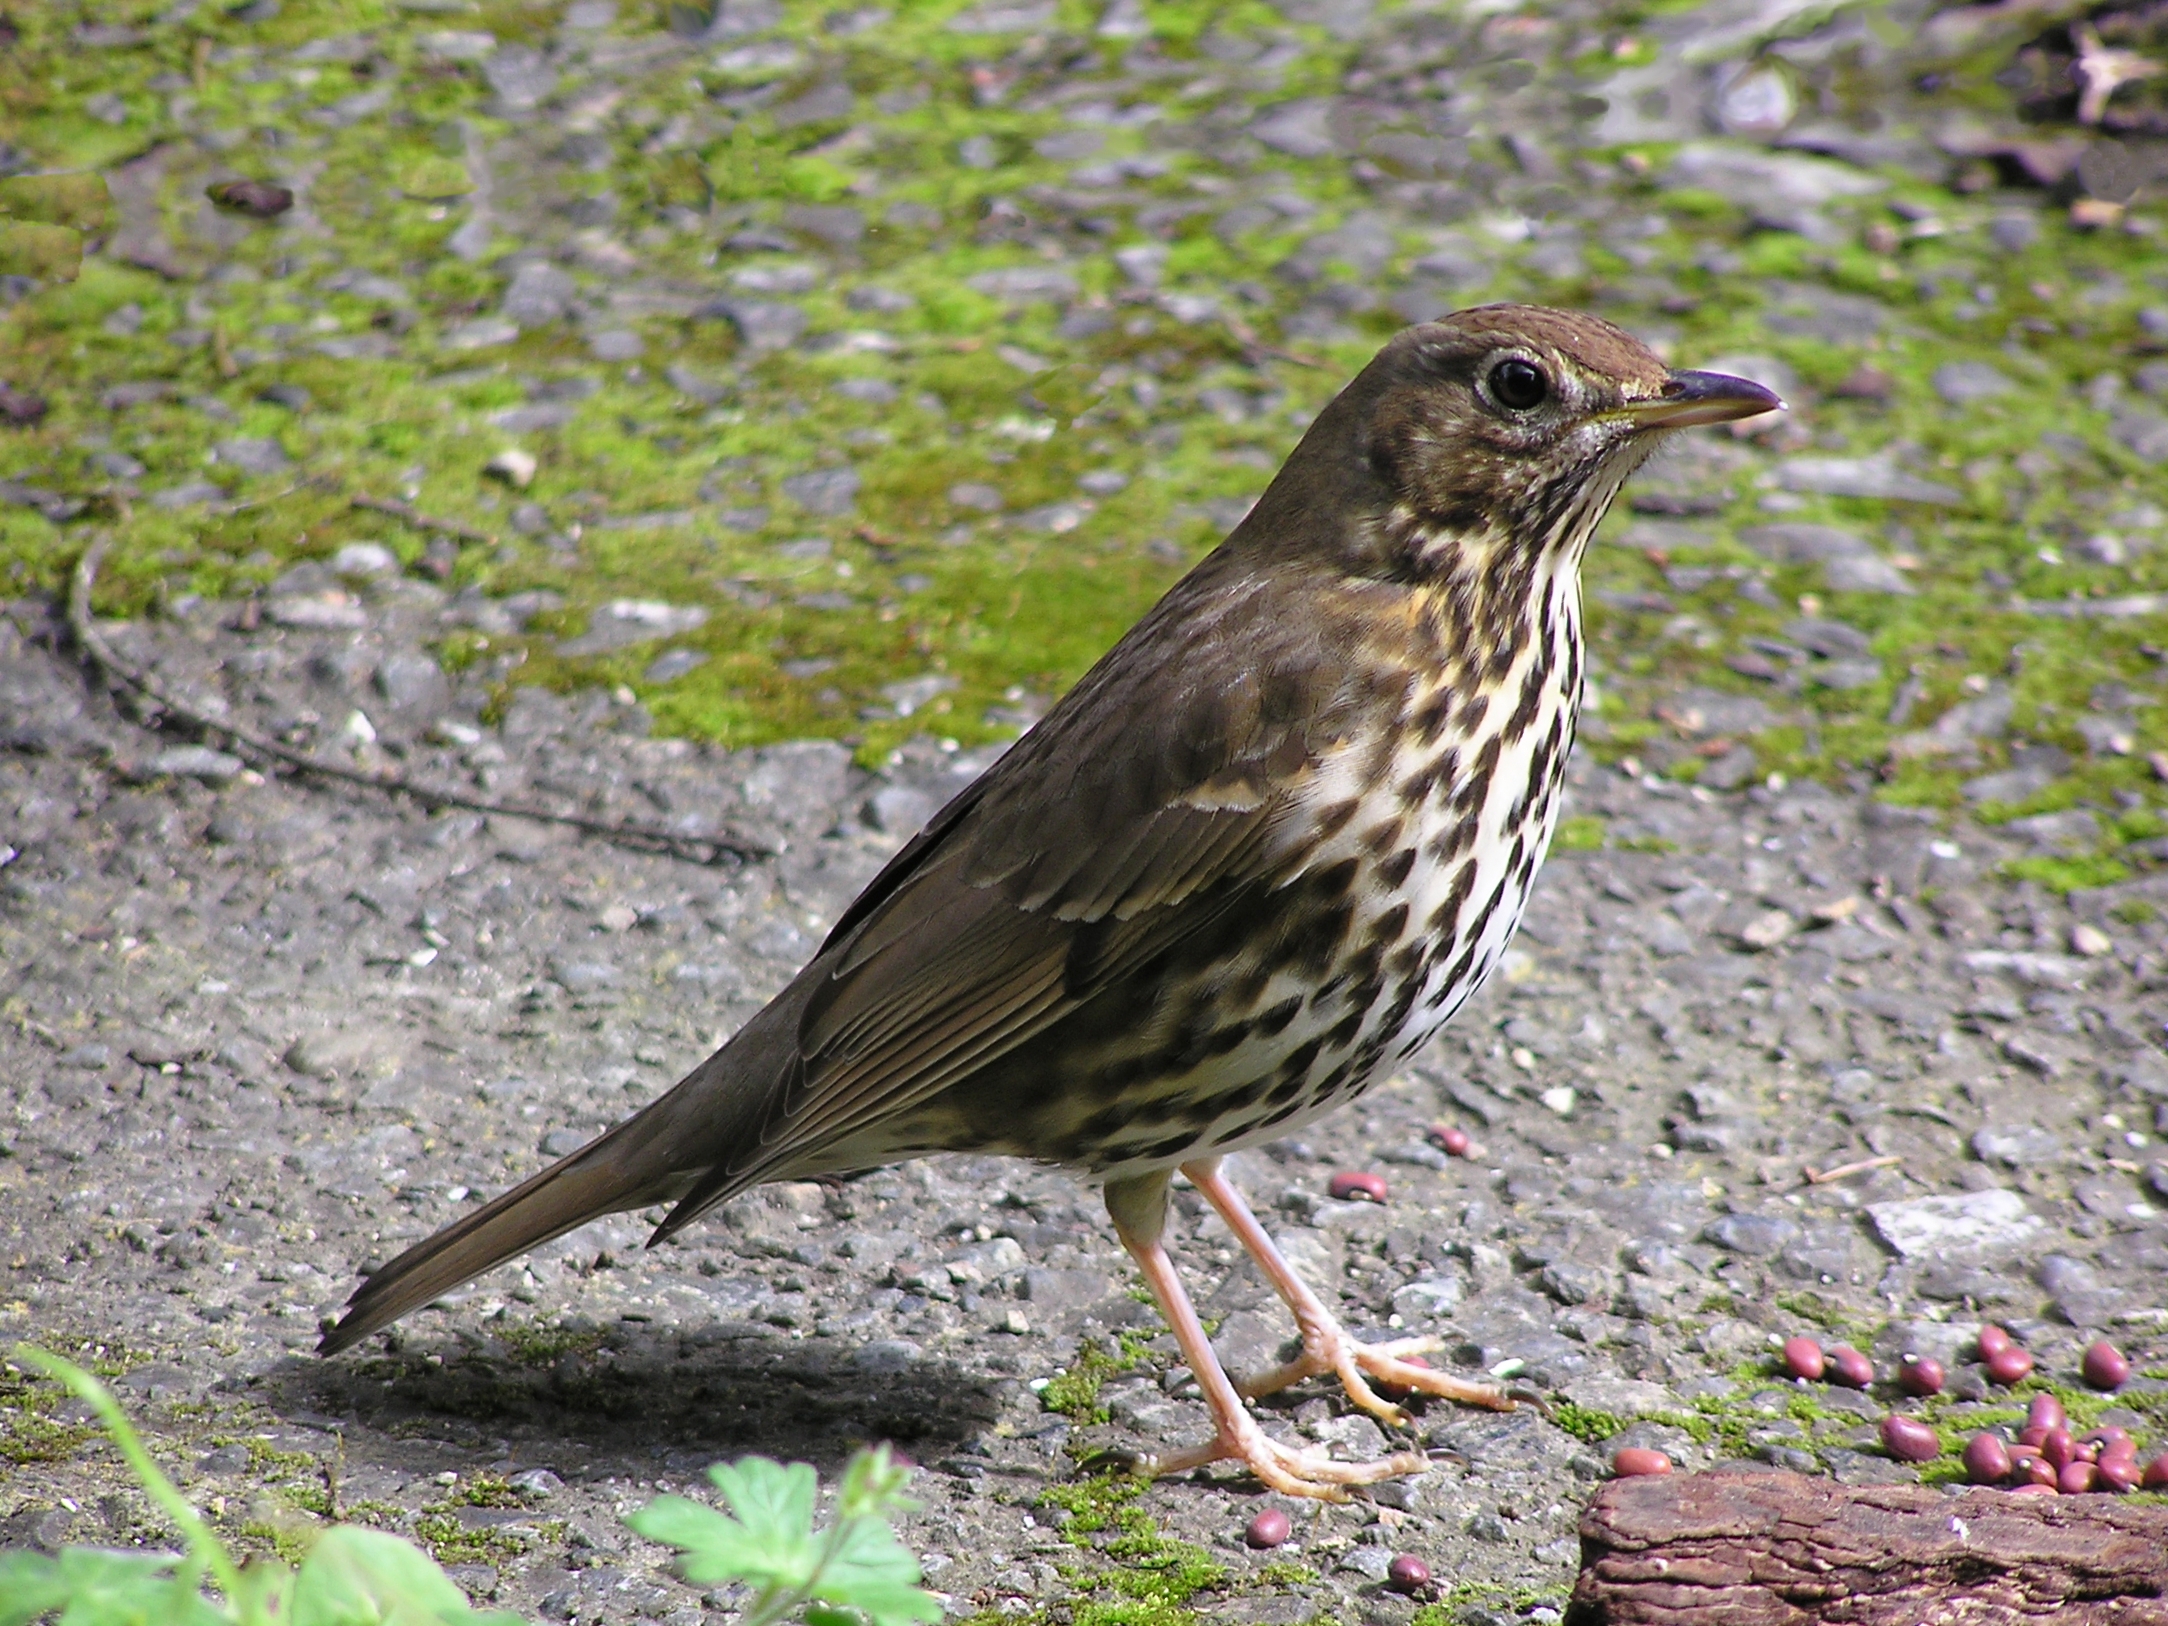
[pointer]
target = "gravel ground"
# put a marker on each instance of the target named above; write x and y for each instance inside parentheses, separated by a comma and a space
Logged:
(256, 1034)
(262, 1034)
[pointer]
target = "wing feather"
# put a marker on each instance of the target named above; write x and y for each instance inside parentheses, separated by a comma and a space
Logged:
(1154, 798)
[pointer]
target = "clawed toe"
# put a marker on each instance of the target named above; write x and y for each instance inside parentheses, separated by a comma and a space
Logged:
(1309, 1473)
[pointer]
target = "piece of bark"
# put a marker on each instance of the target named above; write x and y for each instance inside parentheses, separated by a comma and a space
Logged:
(1780, 1549)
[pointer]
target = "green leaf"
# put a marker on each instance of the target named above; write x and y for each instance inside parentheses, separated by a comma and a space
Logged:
(718, 1548)
(359, 1577)
(98, 1587)
(30, 1586)
(872, 1571)
(775, 1502)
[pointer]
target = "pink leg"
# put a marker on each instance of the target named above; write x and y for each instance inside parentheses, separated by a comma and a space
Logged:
(1235, 1432)
(1326, 1346)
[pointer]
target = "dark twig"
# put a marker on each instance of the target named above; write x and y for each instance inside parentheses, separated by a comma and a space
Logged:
(701, 849)
(407, 513)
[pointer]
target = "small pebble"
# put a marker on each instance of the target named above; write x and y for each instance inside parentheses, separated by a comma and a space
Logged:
(1453, 1142)
(2011, 1365)
(1920, 1376)
(2105, 1366)
(1803, 1358)
(1849, 1368)
(2045, 1411)
(1909, 1440)
(1638, 1461)
(1987, 1460)
(2076, 1478)
(1268, 1529)
(261, 199)
(1407, 1573)
(1992, 1340)
(1358, 1185)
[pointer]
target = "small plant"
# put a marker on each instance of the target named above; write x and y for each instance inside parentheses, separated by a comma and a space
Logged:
(854, 1573)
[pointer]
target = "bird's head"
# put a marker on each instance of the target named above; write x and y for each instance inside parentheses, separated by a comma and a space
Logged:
(1513, 426)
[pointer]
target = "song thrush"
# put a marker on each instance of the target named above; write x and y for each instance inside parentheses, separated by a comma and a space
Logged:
(1265, 847)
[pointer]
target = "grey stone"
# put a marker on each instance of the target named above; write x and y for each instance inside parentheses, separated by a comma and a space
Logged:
(521, 76)
(1058, 1290)
(1872, 476)
(1977, 1223)
(673, 664)
(1963, 382)
(828, 492)
(254, 456)
(538, 292)
(2016, 1146)
(899, 810)
(764, 326)
(1027, 284)
(413, 683)
(1752, 1234)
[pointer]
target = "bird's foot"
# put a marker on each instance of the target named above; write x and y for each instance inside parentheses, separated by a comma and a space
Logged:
(1326, 1347)
(1308, 1473)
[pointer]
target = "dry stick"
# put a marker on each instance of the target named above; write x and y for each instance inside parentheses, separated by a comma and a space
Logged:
(408, 513)
(1822, 1177)
(702, 849)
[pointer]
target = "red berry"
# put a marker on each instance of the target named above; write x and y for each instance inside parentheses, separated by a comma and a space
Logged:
(2033, 1489)
(2105, 1366)
(2038, 1471)
(1452, 1141)
(2156, 1473)
(2012, 1365)
(1848, 1367)
(2045, 1411)
(1987, 1460)
(2059, 1448)
(2112, 1440)
(1803, 1358)
(1407, 1573)
(2076, 1478)
(1919, 1375)
(1268, 1529)
(2117, 1474)
(1993, 1340)
(1358, 1185)
(1638, 1461)
(2033, 1434)
(1909, 1440)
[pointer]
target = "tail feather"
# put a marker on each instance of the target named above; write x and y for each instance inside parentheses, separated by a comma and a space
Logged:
(669, 1147)
(606, 1176)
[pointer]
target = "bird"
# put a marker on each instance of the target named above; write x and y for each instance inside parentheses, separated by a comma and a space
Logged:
(1249, 864)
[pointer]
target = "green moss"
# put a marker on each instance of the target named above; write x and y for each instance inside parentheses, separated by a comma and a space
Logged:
(1579, 833)
(1585, 1423)
(536, 1344)
(1153, 1580)
(1075, 1393)
(2068, 874)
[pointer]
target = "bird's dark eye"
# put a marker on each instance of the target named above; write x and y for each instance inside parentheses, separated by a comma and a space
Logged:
(1517, 385)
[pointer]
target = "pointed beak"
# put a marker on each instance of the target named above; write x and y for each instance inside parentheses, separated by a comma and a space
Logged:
(1700, 398)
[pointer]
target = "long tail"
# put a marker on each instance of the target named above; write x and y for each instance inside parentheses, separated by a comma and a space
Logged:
(671, 1146)
(606, 1176)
